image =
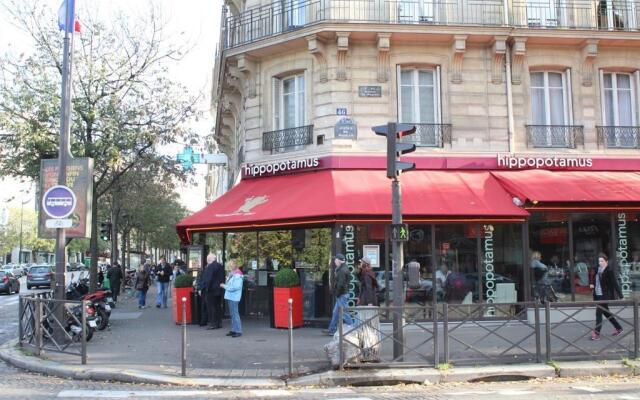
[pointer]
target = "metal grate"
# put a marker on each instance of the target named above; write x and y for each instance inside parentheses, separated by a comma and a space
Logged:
(618, 137)
(555, 136)
(429, 135)
(287, 139)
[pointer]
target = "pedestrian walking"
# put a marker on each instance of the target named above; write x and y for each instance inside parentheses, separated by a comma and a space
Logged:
(114, 275)
(100, 276)
(163, 275)
(340, 290)
(368, 284)
(142, 285)
(233, 294)
(605, 287)
(213, 277)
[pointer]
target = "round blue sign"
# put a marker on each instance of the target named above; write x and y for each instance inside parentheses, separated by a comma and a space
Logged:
(59, 202)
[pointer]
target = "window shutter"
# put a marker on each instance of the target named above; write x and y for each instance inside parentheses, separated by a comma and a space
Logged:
(569, 96)
(398, 95)
(636, 87)
(277, 110)
(438, 91)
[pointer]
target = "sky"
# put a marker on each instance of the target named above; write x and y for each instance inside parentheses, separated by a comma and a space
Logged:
(200, 22)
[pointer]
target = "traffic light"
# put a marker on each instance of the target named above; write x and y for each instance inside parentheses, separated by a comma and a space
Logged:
(394, 148)
(105, 231)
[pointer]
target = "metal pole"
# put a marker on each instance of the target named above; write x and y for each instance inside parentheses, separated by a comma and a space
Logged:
(536, 318)
(63, 151)
(20, 311)
(84, 332)
(290, 337)
(340, 337)
(38, 325)
(397, 265)
(636, 329)
(184, 336)
(547, 329)
(20, 248)
(445, 334)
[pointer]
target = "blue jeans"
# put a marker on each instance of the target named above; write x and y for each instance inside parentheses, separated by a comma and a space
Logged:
(142, 297)
(161, 296)
(341, 301)
(236, 325)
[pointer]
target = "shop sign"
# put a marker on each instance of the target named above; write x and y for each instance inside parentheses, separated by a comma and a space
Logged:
(349, 245)
(555, 162)
(622, 252)
(489, 269)
(345, 128)
(372, 252)
(370, 91)
(255, 170)
(553, 235)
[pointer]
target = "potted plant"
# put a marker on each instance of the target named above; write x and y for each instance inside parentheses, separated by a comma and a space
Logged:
(182, 287)
(287, 286)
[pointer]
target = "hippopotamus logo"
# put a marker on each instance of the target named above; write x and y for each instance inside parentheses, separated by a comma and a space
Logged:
(250, 203)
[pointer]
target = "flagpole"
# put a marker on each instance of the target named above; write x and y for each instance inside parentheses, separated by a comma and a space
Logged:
(64, 153)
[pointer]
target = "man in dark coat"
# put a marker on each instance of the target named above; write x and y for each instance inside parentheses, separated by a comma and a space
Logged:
(605, 287)
(115, 279)
(213, 276)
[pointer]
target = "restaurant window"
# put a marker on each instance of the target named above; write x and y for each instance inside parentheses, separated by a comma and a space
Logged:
(457, 278)
(419, 99)
(549, 98)
(418, 258)
(619, 101)
(591, 237)
(549, 257)
(627, 248)
(312, 255)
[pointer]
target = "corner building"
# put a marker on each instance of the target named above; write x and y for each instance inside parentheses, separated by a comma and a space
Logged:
(527, 133)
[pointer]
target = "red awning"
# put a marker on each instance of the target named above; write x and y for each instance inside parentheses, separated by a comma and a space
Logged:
(326, 196)
(539, 186)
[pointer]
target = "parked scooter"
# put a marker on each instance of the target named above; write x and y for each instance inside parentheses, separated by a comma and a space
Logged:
(73, 322)
(99, 300)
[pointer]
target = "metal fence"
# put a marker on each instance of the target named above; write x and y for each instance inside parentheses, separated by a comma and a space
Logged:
(429, 135)
(284, 16)
(289, 139)
(41, 330)
(473, 334)
(618, 137)
(555, 136)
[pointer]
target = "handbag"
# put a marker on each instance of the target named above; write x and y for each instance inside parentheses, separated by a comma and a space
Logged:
(106, 284)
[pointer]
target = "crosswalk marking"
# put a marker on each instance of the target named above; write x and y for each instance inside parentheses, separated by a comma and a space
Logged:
(124, 394)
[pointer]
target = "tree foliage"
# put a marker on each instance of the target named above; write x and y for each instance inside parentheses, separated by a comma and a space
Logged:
(10, 233)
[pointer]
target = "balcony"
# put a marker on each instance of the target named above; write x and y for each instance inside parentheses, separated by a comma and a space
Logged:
(618, 137)
(555, 136)
(429, 135)
(288, 15)
(290, 139)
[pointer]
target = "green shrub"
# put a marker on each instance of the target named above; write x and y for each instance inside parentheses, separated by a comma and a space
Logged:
(286, 278)
(183, 281)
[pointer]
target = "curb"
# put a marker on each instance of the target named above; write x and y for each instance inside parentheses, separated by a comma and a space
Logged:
(593, 368)
(13, 356)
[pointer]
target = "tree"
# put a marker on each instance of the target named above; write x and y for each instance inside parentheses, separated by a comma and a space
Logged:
(125, 105)
(23, 225)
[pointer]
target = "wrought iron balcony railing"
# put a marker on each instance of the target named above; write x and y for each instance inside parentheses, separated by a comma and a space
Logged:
(429, 135)
(619, 137)
(290, 139)
(558, 136)
(286, 15)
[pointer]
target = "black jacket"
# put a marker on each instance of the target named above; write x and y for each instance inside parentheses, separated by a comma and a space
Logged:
(341, 281)
(212, 277)
(114, 275)
(610, 286)
(168, 271)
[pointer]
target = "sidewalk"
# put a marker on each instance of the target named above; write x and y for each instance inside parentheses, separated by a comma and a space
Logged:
(145, 346)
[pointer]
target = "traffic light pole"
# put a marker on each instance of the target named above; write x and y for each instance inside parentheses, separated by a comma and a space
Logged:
(396, 267)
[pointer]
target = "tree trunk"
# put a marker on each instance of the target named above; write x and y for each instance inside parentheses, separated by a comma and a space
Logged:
(93, 269)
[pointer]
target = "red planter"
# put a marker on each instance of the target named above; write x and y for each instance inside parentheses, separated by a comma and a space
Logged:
(281, 298)
(178, 294)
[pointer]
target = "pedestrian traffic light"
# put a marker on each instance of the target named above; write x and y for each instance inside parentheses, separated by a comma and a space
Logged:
(395, 149)
(105, 231)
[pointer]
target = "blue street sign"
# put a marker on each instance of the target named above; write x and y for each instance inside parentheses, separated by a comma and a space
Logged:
(186, 158)
(59, 202)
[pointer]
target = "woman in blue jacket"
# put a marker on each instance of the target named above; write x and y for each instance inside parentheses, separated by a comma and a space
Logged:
(232, 293)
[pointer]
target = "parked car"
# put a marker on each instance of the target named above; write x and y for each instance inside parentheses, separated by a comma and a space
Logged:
(9, 283)
(13, 269)
(39, 276)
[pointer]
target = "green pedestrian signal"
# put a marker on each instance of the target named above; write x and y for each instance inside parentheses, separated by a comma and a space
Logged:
(400, 232)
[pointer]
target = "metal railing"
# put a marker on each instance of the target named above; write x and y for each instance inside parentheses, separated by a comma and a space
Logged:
(287, 139)
(40, 330)
(429, 135)
(555, 136)
(618, 137)
(289, 15)
(473, 334)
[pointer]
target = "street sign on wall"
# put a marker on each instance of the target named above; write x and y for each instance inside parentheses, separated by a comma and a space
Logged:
(80, 182)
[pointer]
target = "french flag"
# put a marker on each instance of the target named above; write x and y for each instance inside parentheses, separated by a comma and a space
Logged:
(62, 17)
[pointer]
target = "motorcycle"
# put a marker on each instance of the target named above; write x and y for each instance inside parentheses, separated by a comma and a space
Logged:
(73, 322)
(99, 301)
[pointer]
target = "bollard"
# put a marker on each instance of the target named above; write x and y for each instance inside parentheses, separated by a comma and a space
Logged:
(20, 312)
(547, 329)
(184, 336)
(38, 325)
(290, 337)
(445, 328)
(536, 309)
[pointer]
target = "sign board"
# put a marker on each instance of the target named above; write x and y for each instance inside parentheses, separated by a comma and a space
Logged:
(346, 129)
(63, 223)
(59, 202)
(370, 91)
(372, 252)
(279, 167)
(80, 181)
(400, 232)
(341, 111)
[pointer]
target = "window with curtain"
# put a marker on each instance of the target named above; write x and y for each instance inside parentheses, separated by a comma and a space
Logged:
(418, 96)
(619, 99)
(548, 98)
(289, 102)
